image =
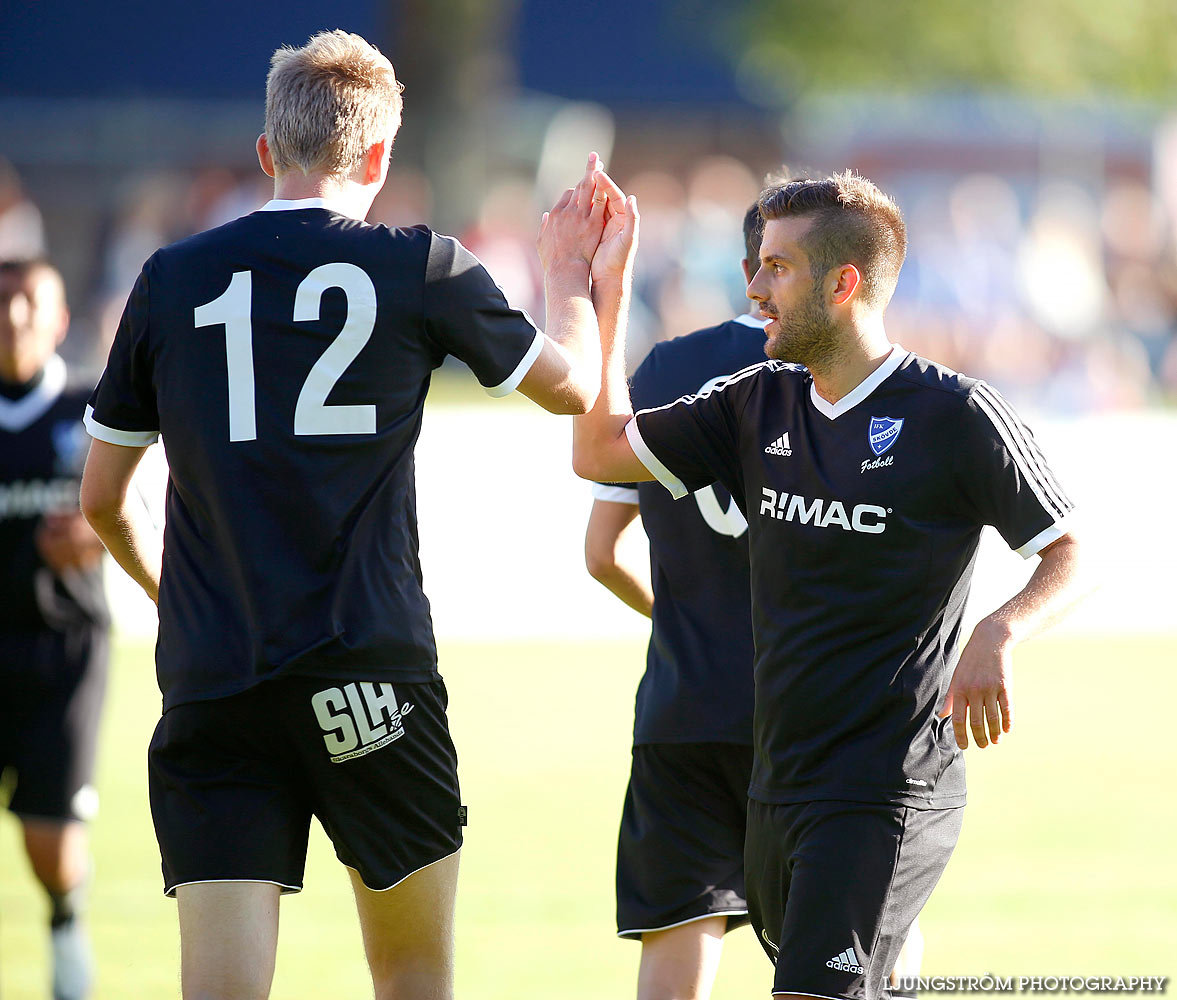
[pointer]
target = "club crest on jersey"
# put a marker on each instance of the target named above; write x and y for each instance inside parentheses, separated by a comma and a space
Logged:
(884, 432)
(358, 718)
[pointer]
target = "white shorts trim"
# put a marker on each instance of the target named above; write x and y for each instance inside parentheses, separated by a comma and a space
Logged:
(435, 861)
(511, 382)
(650, 461)
(112, 435)
(171, 890)
(679, 923)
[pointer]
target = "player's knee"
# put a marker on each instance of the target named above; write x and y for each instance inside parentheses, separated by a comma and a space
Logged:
(422, 977)
(58, 855)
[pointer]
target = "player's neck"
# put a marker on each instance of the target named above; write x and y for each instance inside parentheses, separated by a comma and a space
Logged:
(865, 348)
(345, 197)
(14, 387)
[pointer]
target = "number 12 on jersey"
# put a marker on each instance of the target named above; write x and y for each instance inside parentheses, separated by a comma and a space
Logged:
(233, 309)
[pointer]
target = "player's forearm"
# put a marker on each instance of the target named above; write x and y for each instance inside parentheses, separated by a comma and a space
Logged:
(129, 537)
(611, 554)
(626, 586)
(1057, 584)
(572, 328)
(600, 450)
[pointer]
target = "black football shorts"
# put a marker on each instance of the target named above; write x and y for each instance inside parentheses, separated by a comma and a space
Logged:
(833, 888)
(234, 781)
(52, 686)
(680, 853)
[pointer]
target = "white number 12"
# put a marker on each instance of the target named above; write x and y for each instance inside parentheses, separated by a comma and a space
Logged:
(312, 415)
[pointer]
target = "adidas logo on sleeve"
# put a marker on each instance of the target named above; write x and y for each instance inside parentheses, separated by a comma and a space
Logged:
(846, 962)
(780, 446)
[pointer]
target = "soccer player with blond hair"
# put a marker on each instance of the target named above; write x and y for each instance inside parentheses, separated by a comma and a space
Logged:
(284, 358)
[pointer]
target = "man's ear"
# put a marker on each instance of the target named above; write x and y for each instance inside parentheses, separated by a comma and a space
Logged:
(848, 281)
(264, 156)
(64, 325)
(748, 271)
(376, 163)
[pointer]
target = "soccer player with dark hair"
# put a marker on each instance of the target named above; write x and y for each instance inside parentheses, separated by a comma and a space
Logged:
(866, 474)
(54, 622)
(284, 358)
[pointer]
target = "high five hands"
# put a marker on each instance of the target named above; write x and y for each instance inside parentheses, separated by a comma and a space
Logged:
(594, 223)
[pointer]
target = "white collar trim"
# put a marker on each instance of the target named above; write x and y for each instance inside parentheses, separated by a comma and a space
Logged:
(294, 204)
(864, 388)
(747, 319)
(16, 415)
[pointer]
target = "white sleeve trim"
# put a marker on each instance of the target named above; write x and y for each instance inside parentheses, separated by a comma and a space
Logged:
(511, 382)
(650, 461)
(1045, 537)
(615, 494)
(112, 435)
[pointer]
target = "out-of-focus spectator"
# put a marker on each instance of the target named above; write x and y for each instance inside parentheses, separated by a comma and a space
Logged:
(53, 615)
(22, 234)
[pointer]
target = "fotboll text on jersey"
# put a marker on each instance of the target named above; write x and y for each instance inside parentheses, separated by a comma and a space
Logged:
(867, 518)
(358, 718)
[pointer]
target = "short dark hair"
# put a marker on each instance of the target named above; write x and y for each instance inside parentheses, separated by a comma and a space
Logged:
(22, 267)
(753, 236)
(854, 223)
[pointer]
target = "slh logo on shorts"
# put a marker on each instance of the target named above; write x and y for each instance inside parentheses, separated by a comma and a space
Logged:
(884, 432)
(359, 718)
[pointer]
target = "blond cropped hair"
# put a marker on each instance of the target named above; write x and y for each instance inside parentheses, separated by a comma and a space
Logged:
(329, 102)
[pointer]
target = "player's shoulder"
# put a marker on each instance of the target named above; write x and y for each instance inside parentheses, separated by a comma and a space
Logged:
(264, 232)
(684, 364)
(948, 385)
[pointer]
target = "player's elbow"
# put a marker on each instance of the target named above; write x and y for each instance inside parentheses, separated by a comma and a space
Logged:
(571, 395)
(100, 504)
(579, 393)
(600, 561)
(586, 464)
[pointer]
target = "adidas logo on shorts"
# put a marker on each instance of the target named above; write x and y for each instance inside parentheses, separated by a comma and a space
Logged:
(846, 962)
(780, 446)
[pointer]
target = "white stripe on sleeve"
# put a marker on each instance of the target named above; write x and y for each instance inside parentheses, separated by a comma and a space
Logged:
(112, 435)
(650, 461)
(1031, 452)
(511, 382)
(1015, 444)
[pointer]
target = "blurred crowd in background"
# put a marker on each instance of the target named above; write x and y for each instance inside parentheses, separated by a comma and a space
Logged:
(1060, 291)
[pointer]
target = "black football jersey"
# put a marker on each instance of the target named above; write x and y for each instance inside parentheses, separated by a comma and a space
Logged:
(42, 450)
(864, 519)
(284, 359)
(697, 687)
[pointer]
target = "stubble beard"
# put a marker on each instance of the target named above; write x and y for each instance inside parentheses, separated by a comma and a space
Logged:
(807, 335)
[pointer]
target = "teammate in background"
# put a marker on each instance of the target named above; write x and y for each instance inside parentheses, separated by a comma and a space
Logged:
(53, 616)
(866, 477)
(680, 854)
(284, 358)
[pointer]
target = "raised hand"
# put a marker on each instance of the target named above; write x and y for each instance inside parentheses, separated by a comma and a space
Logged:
(572, 229)
(615, 253)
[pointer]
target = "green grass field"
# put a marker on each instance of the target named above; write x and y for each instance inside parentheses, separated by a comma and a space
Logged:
(1066, 864)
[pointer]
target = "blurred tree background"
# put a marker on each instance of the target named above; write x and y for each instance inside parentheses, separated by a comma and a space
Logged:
(1048, 48)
